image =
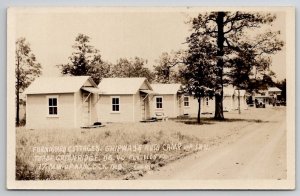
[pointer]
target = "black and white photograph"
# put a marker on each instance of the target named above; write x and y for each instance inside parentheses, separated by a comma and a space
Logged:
(151, 98)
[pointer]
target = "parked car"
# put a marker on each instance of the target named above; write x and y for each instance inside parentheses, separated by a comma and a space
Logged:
(278, 102)
(250, 101)
(260, 102)
(283, 102)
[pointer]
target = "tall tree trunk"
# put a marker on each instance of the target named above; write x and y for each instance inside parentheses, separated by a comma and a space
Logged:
(239, 101)
(18, 95)
(18, 109)
(219, 107)
(199, 110)
(220, 63)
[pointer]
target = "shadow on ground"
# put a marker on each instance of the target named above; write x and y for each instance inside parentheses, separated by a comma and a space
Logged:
(206, 120)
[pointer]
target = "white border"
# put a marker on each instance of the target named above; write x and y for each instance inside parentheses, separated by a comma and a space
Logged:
(156, 184)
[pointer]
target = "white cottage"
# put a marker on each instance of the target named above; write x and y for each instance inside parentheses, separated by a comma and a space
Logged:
(124, 99)
(230, 102)
(166, 100)
(230, 98)
(61, 102)
(190, 105)
(243, 99)
(170, 100)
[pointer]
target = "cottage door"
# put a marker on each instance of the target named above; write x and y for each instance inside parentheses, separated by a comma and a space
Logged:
(147, 108)
(143, 107)
(179, 105)
(86, 107)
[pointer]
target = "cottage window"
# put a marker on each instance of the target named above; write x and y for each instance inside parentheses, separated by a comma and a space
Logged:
(159, 102)
(206, 100)
(115, 104)
(186, 102)
(52, 106)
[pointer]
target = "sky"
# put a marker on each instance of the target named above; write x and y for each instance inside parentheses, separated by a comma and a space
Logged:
(117, 34)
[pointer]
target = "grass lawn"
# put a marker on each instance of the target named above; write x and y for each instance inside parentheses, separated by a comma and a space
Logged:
(120, 150)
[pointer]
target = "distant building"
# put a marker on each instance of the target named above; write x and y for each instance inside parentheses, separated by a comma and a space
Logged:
(269, 95)
(274, 91)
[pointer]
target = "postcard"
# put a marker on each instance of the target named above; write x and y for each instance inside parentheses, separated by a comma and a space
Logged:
(151, 98)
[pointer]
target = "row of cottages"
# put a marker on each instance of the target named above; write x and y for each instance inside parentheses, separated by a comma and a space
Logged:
(73, 102)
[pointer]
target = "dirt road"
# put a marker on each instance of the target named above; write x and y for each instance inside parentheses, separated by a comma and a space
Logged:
(258, 152)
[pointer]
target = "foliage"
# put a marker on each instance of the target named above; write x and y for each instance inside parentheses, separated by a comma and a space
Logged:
(282, 86)
(228, 33)
(27, 69)
(85, 60)
(99, 71)
(169, 66)
(199, 73)
(131, 68)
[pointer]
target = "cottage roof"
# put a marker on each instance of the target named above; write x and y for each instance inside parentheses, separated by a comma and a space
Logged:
(166, 89)
(273, 89)
(65, 84)
(230, 91)
(119, 86)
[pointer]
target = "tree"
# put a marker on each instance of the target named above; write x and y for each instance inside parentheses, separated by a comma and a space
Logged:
(282, 86)
(168, 67)
(199, 71)
(252, 59)
(240, 70)
(131, 68)
(85, 61)
(240, 77)
(27, 69)
(97, 71)
(228, 31)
